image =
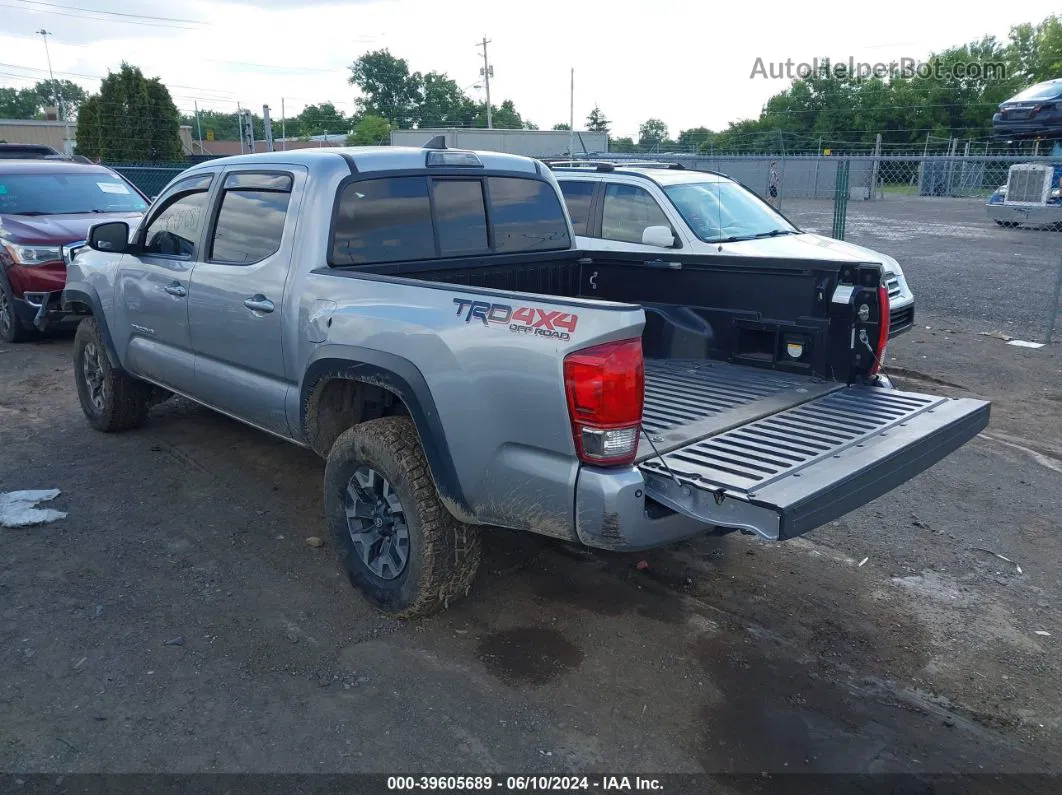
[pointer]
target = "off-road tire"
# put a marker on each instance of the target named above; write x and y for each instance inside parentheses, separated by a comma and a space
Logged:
(11, 327)
(124, 400)
(444, 553)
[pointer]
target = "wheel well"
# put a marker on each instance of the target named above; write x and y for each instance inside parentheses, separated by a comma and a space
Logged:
(78, 307)
(336, 404)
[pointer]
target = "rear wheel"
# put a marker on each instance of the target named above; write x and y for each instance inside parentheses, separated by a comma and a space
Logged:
(399, 545)
(11, 328)
(111, 400)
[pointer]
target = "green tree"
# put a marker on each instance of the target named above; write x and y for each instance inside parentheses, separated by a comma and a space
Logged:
(130, 119)
(320, 119)
(562, 126)
(370, 131)
(596, 121)
(441, 103)
(1035, 52)
(48, 92)
(503, 117)
(29, 103)
(622, 145)
(18, 104)
(390, 91)
(653, 132)
(693, 139)
(225, 126)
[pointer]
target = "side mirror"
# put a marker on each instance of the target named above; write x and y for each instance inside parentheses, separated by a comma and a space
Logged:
(661, 236)
(111, 237)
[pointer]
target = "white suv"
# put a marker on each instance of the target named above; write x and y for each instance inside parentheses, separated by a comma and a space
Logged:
(653, 206)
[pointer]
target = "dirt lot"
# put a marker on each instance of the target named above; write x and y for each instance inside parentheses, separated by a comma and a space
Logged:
(177, 620)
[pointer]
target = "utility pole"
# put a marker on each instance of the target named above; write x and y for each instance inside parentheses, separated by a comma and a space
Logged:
(55, 91)
(199, 127)
(488, 72)
(283, 126)
(267, 126)
(571, 125)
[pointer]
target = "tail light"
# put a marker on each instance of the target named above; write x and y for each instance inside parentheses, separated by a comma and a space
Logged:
(883, 329)
(605, 387)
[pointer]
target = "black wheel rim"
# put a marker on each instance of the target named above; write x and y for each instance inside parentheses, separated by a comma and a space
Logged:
(5, 312)
(376, 522)
(92, 371)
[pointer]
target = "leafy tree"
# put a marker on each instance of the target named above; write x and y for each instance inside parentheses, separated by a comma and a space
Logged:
(622, 145)
(48, 92)
(562, 126)
(694, 138)
(130, 119)
(1035, 53)
(505, 117)
(18, 104)
(320, 119)
(596, 121)
(390, 91)
(29, 103)
(370, 131)
(652, 133)
(442, 103)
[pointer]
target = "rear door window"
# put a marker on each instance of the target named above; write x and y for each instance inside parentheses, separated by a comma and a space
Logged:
(383, 220)
(578, 196)
(526, 215)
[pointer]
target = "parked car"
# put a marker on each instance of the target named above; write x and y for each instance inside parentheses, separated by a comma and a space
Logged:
(46, 205)
(421, 319)
(1035, 112)
(651, 208)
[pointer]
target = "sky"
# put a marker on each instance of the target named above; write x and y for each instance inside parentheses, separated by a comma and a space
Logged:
(688, 63)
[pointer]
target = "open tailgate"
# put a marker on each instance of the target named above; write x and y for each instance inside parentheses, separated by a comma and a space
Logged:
(792, 471)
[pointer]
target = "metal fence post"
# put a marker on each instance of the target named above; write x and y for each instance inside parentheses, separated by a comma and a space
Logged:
(840, 200)
(1054, 304)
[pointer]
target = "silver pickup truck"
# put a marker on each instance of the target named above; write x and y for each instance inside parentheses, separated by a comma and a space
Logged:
(422, 320)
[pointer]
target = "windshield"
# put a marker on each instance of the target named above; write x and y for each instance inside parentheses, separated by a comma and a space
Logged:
(67, 194)
(725, 211)
(1040, 91)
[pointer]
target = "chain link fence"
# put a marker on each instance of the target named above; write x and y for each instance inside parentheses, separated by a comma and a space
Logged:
(150, 178)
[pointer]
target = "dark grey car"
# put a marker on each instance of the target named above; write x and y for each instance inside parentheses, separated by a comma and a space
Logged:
(1036, 112)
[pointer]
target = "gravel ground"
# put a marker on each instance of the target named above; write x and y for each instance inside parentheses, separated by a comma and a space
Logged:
(178, 621)
(958, 262)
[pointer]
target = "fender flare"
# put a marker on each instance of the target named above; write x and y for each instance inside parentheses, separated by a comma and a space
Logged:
(81, 293)
(402, 378)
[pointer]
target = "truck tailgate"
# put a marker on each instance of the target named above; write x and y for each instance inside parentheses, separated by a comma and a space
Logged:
(830, 451)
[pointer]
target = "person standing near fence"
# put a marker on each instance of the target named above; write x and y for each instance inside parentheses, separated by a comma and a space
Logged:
(773, 183)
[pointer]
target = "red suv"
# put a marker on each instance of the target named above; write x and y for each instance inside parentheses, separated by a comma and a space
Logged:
(45, 206)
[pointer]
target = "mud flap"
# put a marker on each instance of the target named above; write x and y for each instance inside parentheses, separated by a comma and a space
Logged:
(786, 474)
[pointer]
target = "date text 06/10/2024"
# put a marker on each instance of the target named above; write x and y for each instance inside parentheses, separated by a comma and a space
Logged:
(522, 783)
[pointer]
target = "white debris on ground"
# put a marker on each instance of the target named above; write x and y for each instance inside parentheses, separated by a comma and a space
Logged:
(19, 508)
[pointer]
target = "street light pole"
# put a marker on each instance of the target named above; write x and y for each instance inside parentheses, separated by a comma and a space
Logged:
(55, 91)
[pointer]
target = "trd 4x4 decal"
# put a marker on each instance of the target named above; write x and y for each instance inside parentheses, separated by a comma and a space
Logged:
(520, 319)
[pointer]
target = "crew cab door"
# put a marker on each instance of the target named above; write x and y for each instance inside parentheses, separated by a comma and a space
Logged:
(152, 288)
(237, 311)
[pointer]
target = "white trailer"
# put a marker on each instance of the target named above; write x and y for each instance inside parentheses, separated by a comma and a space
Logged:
(530, 143)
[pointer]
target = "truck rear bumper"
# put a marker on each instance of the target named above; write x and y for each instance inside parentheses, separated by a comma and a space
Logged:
(611, 512)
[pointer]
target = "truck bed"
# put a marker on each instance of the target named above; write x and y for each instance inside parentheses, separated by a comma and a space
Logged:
(780, 454)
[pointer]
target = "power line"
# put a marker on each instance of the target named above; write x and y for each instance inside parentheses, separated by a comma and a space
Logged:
(101, 19)
(109, 13)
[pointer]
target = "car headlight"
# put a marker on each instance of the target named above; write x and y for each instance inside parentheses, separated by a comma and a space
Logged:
(34, 255)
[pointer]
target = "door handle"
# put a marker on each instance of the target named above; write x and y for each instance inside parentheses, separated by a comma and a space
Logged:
(259, 303)
(175, 288)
